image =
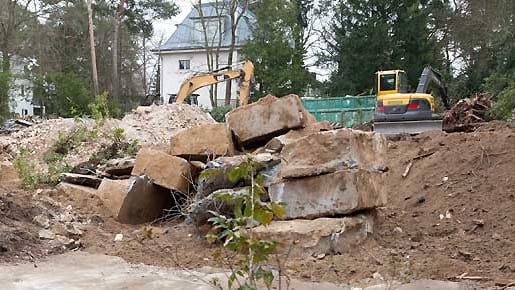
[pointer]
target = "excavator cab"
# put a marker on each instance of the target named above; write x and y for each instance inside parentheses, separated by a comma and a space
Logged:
(399, 111)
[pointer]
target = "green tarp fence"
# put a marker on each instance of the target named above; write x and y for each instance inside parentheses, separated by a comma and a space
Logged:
(346, 111)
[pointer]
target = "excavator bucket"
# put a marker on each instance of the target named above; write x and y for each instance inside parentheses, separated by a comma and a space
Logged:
(407, 127)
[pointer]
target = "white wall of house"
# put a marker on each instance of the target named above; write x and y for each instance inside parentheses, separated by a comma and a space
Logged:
(20, 102)
(172, 76)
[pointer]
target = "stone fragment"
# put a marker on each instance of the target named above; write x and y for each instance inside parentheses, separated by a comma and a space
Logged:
(75, 191)
(342, 192)
(319, 237)
(200, 212)
(42, 221)
(46, 234)
(253, 125)
(216, 174)
(118, 238)
(118, 167)
(165, 170)
(334, 150)
(81, 179)
(134, 201)
(201, 142)
(144, 201)
(112, 193)
(277, 143)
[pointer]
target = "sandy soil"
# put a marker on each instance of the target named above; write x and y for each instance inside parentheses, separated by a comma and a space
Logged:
(454, 213)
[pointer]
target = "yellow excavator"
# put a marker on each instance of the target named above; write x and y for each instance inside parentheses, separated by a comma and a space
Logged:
(398, 111)
(195, 82)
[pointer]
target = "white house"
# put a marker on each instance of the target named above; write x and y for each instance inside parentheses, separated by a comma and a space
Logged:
(184, 54)
(21, 93)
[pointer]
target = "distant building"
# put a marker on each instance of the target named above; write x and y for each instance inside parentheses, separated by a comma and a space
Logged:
(21, 93)
(185, 53)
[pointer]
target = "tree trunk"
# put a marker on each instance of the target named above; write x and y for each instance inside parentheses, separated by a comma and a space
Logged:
(115, 45)
(5, 80)
(92, 52)
(228, 85)
(145, 65)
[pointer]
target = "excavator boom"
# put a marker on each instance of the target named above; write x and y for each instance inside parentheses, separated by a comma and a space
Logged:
(193, 83)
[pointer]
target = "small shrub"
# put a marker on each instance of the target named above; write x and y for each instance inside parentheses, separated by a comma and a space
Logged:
(26, 169)
(234, 233)
(100, 108)
(218, 113)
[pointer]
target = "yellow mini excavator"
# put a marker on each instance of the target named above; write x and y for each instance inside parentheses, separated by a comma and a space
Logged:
(398, 111)
(195, 82)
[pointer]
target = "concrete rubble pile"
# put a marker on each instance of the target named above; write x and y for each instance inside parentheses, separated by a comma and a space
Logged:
(328, 180)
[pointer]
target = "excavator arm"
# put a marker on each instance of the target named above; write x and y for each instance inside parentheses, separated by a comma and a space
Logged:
(193, 83)
(428, 76)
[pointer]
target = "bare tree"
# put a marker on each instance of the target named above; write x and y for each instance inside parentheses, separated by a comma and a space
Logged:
(236, 10)
(212, 40)
(117, 21)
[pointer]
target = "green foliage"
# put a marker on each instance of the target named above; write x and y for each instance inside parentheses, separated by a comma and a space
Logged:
(234, 234)
(5, 85)
(278, 60)
(504, 108)
(64, 94)
(26, 169)
(118, 148)
(367, 36)
(100, 108)
(218, 113)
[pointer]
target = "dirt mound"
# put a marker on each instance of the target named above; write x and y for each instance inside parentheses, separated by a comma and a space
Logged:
(151, 125)
(454, 212)
(155, 124)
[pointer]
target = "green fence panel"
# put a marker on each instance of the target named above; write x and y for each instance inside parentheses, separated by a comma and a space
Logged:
(346, 111)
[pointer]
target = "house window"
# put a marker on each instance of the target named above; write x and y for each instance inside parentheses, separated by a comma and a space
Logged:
(184, 64)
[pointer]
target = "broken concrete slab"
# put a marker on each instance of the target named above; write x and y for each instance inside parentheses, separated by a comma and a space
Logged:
(323, 236)
(165, 170)
(81, 179)
(253, 125)
(335, 150)
(423, 284)
(118, 167)
(143, 202)
(342, 192)
(201, 142)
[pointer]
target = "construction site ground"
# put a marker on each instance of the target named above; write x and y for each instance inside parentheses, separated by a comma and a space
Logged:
(452, 215)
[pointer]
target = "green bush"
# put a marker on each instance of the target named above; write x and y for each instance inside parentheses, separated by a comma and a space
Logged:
(504, 108)
(26, 169)
(218, 113)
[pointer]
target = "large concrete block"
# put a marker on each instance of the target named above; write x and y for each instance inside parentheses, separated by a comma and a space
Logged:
(134, 201)
(201, 142)
(253, 125)
(323, 236)
(342, 192)
(330, 151)
(165, 170)
(144, 201)
(113, 193)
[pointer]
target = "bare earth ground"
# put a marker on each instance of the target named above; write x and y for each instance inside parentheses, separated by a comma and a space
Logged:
(454, 213)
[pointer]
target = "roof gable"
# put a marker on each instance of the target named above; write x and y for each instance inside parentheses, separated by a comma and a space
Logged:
(189, 36)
